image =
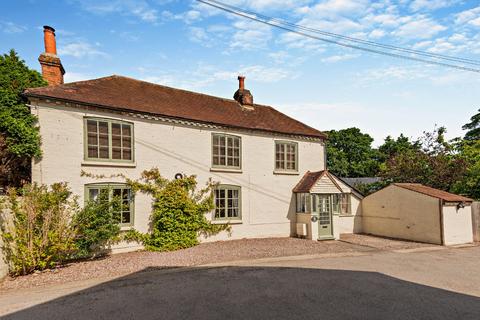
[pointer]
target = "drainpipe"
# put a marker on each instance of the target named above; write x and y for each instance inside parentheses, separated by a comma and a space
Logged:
(442, 232)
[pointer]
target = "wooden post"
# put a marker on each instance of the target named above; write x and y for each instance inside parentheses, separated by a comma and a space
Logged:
(476, 220)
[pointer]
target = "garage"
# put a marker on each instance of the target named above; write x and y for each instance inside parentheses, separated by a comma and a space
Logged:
(413, 211)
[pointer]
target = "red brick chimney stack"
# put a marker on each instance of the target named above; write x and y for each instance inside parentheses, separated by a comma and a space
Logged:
(52, 69)
(242, 95)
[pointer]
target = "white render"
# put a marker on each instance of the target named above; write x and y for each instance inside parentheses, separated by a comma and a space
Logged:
(405, 214)
(268, 205)
(457, 224)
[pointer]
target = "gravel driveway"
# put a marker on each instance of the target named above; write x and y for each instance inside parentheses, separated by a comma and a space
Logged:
(382, 243)
(206, 253)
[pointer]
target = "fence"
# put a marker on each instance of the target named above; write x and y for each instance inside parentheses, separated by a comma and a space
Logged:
(476, 220)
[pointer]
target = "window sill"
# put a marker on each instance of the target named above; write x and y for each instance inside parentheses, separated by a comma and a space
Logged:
(226, 221)
(291, 173)
(108, 164)
(226, 170)
(126, 228)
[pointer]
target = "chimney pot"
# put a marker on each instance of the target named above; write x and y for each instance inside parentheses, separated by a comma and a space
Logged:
(241, 82)
(49, 38)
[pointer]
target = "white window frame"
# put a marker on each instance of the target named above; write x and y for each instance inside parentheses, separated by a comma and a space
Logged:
(226, 188)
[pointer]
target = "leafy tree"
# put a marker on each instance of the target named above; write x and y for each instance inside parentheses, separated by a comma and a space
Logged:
(473, 127)
(469, 185)
(392, 146)
(19, 138)
(435, 163)
(350, 153)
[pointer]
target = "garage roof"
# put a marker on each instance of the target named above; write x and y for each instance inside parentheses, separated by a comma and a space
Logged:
(432, 192)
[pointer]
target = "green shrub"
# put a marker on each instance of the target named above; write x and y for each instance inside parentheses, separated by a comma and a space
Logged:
(97, 226)
(40, 235)
(178, 216)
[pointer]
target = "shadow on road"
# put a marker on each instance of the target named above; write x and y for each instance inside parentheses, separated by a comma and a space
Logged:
(257, 293)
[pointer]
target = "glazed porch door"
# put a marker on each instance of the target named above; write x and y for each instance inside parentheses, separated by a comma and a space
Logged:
(325, 230)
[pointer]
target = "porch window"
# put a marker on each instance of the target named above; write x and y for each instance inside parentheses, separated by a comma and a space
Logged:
(227, 203)
(111, 192)
(341, 203)
(286, 156)
(303, 202)
(108, 140)
(226, 151)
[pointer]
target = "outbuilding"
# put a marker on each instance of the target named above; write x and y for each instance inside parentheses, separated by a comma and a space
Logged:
(416, 212)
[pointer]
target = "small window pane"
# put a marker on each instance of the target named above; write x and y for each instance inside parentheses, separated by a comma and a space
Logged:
(127, 154)
(116, 153)
(104, 153)
(103, 127)
(93, 152)
(116, 129)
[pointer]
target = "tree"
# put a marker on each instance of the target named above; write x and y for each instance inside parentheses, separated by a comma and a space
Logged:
(391, 146)
(19, 137)
(435, 163)
(469, 185)
(473, 127)
(350, 153)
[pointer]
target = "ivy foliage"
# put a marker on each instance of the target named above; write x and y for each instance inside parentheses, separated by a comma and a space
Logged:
(178, 212)
(19, 137)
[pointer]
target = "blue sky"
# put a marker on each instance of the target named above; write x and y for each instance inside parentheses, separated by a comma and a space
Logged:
(188, 45)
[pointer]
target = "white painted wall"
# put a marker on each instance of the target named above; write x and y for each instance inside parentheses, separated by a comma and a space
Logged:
(457, 225)
(268, 207)
(404, 214)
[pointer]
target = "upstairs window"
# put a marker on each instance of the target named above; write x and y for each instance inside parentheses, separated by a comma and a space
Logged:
(108, 140)
(226, 151)
(286, 156)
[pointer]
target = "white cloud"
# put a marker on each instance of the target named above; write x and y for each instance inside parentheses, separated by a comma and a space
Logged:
(138, 8)
(338, 58)
(76, 76)
(431, 4)
(11, 28)
(250, 35)
(471, 16)
(419, 27)
(80, 49)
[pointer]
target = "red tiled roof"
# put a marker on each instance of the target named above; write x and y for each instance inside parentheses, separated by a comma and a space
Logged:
(126, 94)
(308, 181)
(432, 192)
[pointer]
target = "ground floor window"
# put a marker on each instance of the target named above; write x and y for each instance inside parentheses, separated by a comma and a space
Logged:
(110, 192)
(341, 203)
(303, 202)
(227, 203)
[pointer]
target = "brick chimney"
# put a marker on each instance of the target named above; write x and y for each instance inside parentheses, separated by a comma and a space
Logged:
(242, 95)
(52, 69)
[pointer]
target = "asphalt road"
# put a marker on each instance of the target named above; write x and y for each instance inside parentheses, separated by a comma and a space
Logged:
(440, 284)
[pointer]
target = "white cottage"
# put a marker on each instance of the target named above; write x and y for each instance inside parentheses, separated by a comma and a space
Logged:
(118, 125)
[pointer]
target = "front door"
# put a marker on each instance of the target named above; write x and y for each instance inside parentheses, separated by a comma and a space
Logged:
(325, 230)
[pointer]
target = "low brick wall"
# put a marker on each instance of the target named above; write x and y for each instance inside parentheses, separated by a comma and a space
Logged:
(476, 220)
